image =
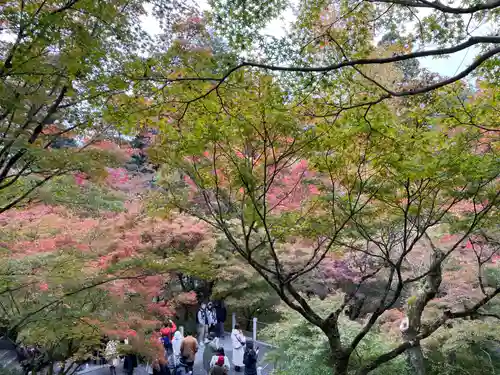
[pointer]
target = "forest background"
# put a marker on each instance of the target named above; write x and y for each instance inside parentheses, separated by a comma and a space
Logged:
(322, 181)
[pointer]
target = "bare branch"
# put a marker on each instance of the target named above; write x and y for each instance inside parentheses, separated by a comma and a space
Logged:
(427, 331)
(488, 5)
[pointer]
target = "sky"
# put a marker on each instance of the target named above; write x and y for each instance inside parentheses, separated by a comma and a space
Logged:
(277, 27)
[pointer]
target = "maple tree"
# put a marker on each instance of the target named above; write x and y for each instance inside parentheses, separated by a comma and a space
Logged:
(122, 267)
(351, 165)
(325, 42)
(61, 70)
(370, 188)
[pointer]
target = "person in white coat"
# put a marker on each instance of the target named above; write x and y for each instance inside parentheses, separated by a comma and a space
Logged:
(176, 347)
(238, 342)
(111, 354)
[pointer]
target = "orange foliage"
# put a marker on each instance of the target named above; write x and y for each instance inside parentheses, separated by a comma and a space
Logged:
(107, 241)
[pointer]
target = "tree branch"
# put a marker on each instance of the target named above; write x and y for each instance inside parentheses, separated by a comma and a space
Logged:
(426, 332)
(488, 5)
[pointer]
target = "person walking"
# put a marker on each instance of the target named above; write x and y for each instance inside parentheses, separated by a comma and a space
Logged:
(111, 355)
(220, 353)
(219, 368)
(160, 367)
(189, 348)
(210, 350)
(221, 315)
(176, 347)
(167, 334)
(238, 343)
(212, 317)
(202, 319)
(250, 358)
(130, 363)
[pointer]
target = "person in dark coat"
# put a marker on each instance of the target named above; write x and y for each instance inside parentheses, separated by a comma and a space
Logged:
(160, 367)
(250, 358)
(130, 363)
(221, 314)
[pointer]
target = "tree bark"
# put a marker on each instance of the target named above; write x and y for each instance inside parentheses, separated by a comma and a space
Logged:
(340, 366)
(339, 356)
(410, 327)
(414, 354)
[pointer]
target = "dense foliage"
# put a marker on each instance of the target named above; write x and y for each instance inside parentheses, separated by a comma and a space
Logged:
(322, 178)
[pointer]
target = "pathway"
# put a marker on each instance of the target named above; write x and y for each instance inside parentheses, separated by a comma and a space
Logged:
(198, 365)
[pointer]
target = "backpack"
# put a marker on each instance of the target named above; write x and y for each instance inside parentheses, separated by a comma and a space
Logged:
(204, 314)
(248, 358)
(166, 341)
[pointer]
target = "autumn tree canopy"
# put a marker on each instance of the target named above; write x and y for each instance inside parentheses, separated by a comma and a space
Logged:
(378, 186)
(327, 162)
(61, 71)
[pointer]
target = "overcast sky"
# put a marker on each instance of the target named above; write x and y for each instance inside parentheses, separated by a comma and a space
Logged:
(448, 66)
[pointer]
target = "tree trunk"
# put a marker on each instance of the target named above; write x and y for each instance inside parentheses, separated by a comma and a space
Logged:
(340, 366)
(339, 356)
(410, 327)
(416, 360)
(414, 355)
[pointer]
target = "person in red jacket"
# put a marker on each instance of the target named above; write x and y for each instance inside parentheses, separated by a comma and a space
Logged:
(169, 329)
(167, 334)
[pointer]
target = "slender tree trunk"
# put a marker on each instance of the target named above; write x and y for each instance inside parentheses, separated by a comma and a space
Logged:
(415, 356)
(410, 327)
(339, 356)
(340, 366)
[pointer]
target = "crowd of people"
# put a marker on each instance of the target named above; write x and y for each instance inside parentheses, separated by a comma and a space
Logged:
(211, 317)
(180, 352)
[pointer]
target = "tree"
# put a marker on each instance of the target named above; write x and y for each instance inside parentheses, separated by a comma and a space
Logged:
(371, 186)
(332, 39)
(62, 70)
(71, 274)
(241, 288)
(301, 348)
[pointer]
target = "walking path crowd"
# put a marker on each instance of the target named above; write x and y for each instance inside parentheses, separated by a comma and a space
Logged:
(181, 352)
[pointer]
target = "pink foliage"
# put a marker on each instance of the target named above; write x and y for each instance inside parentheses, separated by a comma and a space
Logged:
(467, 207)
(43, 245)
(30, 214)
(130, 333)
(117, 176)
(35, 230)
(195, 20)
(161, 309)
(291, 187)
(120, 237)
(80, 178)
(449, 238)
(343, 269)
(188, 180)
(188, 298)
(106, 145)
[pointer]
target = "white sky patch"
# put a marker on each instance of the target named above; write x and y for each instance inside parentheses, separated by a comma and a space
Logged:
(149, 22)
